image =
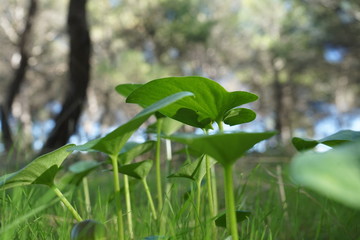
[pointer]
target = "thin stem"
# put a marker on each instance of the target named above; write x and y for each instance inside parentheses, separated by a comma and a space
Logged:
(221, 126)
(117, 197)
(198, 208)
(157, 164)
(148, 194)
(214, 189)
(86, 195)
(128, 206)
(210, 196)
(231, 222)
(66, 203)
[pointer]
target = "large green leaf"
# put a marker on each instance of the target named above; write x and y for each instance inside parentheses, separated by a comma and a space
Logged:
(226, 148)
(341, 137)
(335, 173)
(113, 142)
(240, 216)
(210, 104)
(195, 170)
(42, 170)
(137, 170)
(132, 149)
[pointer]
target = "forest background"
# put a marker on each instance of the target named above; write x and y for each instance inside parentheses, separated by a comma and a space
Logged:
(60, 61)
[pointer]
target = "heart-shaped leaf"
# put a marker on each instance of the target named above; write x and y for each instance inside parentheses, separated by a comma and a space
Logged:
(240, 216)
(42, 170)
(225, 148)
(210, 104)
(113, 142)
(127, 88)
(238, 116)
(137, 170)
(195, 170)
(132, 149)
(341, 137)
(335, 173)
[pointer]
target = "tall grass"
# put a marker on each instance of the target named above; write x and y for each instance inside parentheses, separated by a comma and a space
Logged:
(34, 212)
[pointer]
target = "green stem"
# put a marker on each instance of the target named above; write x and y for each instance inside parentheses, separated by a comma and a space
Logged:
(86, 195)
(157, 165)
(231, 222)
(128, 206)
(221, 126)
(148, 194)
(198, 209)
(214, 189)
(66, 203)
(210, 196)
(117, 197)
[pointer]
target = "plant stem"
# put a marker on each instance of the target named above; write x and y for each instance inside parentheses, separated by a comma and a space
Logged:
(128, 206)
(210, 196)
(151, 202)
(231, 222)
(86, 195)
(157, 164)
(198, 209)
(66, 203)
(117, 196)
(221, 126)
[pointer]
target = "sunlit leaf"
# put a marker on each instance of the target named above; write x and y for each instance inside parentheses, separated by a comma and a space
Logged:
(42, 170)
(137, 170)
(225, 148)
(113, 142)
(341, 137)
(132, 149)
(238, 116)
(240, 216)
(209, 105)
(335, 173)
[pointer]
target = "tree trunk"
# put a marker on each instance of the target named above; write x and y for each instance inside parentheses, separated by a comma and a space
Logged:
(19, 75)
(78, 79)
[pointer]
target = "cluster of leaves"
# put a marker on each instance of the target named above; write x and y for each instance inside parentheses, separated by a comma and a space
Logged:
(195, 101)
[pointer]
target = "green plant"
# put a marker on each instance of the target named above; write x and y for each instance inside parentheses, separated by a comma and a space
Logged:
(335, 173)
(175, 101)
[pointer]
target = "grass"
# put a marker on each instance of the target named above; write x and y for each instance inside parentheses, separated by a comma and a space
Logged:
(34, 212)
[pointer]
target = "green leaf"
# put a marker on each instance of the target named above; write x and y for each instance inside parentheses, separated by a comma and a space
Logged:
(78, 171)
(132, 149)
(112, 143)
(168, 126)
(335, 173)
(209, 105)
(240, 216)
(126, 89)
(341, 137)
(225, 148)
(42, 170)
(195, 170)
(137, 170)
(238, 116)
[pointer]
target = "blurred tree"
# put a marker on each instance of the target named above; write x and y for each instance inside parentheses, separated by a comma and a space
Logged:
(19, 75)
(78, 80)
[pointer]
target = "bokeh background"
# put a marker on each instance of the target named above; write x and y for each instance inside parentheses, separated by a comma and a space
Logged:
(60, 61)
